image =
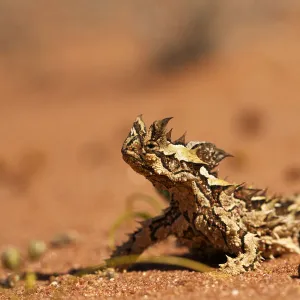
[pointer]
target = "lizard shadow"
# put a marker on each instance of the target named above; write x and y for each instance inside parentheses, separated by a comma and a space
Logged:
(209, 260)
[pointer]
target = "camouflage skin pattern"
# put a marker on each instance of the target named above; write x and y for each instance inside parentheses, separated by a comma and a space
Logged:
(206, 213)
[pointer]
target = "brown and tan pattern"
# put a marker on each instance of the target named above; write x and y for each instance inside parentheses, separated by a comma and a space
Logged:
(207, 213)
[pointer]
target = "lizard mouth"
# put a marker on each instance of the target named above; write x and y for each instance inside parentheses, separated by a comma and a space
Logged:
(131, 157)
(136, 160)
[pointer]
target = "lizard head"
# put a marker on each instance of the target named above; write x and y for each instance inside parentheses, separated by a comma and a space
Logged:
(152, 152)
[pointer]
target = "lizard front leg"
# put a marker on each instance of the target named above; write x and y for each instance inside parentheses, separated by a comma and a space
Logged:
(247, 260)
(151, 231)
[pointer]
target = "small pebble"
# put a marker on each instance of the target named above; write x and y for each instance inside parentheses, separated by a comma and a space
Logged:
(11, 280)
(249, 122)
(54, 283)
(109, 273)
(11, 258)
(235, 292)
(292, 174)
(36, 249)
(65, 238)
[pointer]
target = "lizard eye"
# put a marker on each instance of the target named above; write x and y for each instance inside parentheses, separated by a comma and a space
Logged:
(151, 145)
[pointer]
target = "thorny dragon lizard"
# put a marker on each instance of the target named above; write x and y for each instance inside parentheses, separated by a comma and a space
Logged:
(207, 213)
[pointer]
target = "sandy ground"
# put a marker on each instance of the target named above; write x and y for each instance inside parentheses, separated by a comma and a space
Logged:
(65, 112)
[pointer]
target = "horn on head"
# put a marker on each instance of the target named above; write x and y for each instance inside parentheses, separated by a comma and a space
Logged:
(139, 126)
(181, 140)
(169, 135)
(158, 128)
